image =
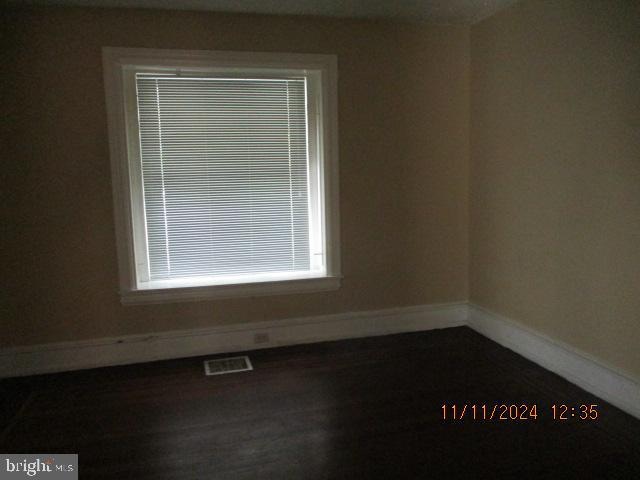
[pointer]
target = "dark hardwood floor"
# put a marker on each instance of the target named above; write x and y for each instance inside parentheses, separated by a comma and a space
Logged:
(366, 408)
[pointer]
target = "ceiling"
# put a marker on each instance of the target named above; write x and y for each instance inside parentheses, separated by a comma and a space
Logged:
(432, 11)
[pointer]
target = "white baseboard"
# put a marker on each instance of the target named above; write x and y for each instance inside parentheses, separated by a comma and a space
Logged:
(602, 380)
(58, 357)
(579, 368)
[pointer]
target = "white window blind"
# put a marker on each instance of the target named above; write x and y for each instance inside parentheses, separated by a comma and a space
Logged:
(225, 176)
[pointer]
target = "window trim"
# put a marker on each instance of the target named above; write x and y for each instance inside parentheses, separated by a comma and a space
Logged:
(116, 61)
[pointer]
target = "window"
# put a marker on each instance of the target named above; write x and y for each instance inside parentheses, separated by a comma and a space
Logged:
(224, 172)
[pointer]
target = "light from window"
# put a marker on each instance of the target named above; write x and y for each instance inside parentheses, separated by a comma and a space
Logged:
(227, 171)
(225, 175)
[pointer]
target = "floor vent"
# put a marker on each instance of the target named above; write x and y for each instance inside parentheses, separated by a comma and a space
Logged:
(220, 366)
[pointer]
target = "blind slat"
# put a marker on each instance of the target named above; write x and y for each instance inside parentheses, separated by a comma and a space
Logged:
(225, 175)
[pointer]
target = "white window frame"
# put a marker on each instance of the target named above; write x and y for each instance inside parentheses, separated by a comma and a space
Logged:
(321, 74)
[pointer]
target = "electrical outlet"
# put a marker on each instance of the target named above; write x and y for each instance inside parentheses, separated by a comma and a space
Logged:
(261, 338)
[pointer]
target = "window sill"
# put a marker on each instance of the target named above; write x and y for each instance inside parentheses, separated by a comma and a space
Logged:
(211, 292)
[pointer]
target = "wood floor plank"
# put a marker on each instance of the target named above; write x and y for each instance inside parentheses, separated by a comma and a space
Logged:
(364, 408)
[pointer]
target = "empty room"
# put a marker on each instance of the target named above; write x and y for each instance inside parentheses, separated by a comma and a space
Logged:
(320, 239)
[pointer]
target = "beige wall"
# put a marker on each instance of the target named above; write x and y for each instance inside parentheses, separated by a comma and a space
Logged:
(404, 115)
(555, 172)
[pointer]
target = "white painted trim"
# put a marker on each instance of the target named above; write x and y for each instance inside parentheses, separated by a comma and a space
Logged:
(605, 381)
(255, 289)
(591, 374)
(120, 65)
(57, 357)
